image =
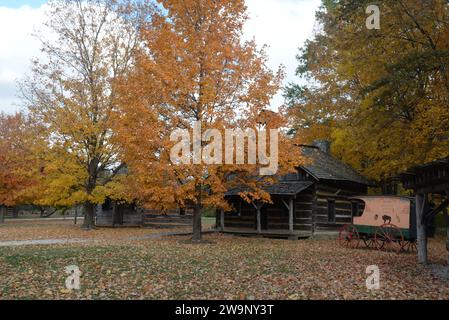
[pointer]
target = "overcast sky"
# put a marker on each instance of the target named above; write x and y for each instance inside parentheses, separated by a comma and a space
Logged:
(283, 25)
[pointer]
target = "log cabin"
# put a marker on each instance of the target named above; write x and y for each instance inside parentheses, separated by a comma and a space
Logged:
(117, 214)
(121, 214)
(316, 198)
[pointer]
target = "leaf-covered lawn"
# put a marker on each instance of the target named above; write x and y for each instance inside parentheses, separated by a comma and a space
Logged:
(229, 268)
(66, 229)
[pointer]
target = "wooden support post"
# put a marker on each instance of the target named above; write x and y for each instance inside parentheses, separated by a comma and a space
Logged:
(291, 215)
(290, 207)
(2, 213)
(222, 222)
(421, 200)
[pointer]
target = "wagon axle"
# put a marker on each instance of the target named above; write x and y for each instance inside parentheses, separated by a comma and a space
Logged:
(387, 237)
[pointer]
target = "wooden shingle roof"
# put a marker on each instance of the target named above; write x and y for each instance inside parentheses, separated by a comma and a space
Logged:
(323, 166)
(320, 165)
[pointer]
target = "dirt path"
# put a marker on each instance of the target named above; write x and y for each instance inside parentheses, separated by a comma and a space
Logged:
(42, 219)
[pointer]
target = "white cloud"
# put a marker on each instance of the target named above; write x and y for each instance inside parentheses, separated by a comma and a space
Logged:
(283, 25)
(18, 48)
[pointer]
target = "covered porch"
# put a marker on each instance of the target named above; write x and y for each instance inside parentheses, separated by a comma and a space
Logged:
(288, 216)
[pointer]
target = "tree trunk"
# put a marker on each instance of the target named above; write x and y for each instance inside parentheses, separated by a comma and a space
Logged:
(89, 216)
(2, 213)
(197, 223)
(222, 221)
(114, 214)
(421, 228)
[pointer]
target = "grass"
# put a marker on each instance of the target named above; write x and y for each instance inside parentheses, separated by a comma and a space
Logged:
(209, 220)
(229, 268)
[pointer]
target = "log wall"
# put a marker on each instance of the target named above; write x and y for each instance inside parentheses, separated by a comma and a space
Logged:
(343, 207)
(311, 212)
(304, 207)
(243, 217)
(130, 219)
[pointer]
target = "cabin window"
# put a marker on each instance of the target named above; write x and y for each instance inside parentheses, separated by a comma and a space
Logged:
(356, 209)
(331, 211)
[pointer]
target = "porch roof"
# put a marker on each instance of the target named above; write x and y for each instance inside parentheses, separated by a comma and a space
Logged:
(432, 177)
(278, 189)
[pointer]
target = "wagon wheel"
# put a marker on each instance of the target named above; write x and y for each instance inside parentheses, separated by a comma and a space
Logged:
(369, 242)
(349, 236)
(409, 246)
(389, 238)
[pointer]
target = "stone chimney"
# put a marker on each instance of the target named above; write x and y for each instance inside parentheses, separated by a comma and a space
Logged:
(323, 145)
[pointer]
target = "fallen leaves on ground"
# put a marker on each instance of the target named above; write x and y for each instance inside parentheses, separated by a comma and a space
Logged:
(229, 268)
(16, 230)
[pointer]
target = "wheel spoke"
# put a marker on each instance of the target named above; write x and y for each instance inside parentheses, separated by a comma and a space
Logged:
(389, 238)
(348, 237)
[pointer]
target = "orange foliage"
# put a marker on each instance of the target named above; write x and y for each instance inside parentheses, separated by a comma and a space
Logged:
(16, 159)
(195, 68)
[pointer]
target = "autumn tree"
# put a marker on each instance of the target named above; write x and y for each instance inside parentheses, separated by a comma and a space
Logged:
(71, 92)
(195, 70)
(19, 169)
(380, 95)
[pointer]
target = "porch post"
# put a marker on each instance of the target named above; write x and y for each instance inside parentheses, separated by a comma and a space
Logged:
(222, 223)
(290, 215)
(2, 213)
(421, 200)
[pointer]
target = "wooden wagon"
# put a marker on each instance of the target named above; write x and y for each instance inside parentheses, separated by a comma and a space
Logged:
(382, 222)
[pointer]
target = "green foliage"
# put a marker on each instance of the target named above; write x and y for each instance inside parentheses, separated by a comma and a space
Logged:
(380, 95)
